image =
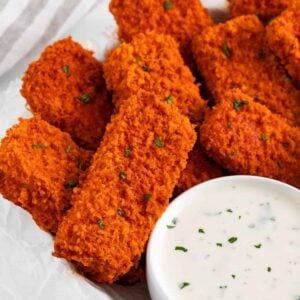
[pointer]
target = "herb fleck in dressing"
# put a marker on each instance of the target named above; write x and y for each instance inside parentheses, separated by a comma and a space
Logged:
(249, 247)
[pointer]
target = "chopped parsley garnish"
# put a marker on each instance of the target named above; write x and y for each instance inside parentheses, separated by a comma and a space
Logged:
(147, 68)
(158, 142)
(232, 153)
(174, 222)
(226, 50)
(287, 78)
(279, 165)
(121, 212)
(169, 99)
(180, 248)
(101, 224)
(233, 276)
(80, 165)
(237, 104)
(39, 146)
(269, 269)
(137, 58)
(71, 184)
(223, 286)
(240, 217)
(168, 5)
(85, 98)
(183, 285)
(200, 230)
(262, 53)
(263, 137)
(127, 152)
(67, 70)
(229, 210)
(219, 244)
(68, 149)
(232, 240)
(258, 246)
(147, 197)
(229, 125)
(122, 175)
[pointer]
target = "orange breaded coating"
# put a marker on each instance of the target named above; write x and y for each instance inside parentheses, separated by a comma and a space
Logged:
(235, 55)
(128, 186)
(39, 167)
(199, 169)
(152, 62)
(265, 9)
(283, 39)
(247, 138)
(66, 87)
(179, 18)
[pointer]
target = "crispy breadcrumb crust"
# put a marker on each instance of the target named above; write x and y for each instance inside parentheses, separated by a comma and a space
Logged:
(182, 21)
(53, 83)
(251, 139)
(235, 55)
(283, 38)
(152, 62)
(265, 9)
(128, 186)
(199, 168)
(37, 164)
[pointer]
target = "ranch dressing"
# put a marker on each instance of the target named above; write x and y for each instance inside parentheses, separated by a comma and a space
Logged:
(239, 241)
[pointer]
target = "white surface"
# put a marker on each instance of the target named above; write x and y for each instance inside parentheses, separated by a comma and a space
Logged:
(269, 215)
(27, 268)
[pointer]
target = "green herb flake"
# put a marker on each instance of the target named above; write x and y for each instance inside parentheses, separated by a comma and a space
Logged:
(258, 246)
(71, 184)
(158, 142)
(122, 175)
(121, 212)
(168, 5)
(68, 149)
(147, 68)
(233, 276)
(279, 165)
(229, 125)
(80, 165)
(127, 152)
(237, 104)
(138, 59)
(169, 99)
(39, 146)
(232, 153)
(287, 78)
(269, 269)
(219, 244)
(223, 286)
(240, 217)
(85, 98)
(262, 54)
(180, 248)
(101, 224)
(263, 137)
(232, 240)
(182, 285)
(147, 197)
(229, 210)
(285, 144)
(226, 50)
(200, 230)
(174, 222)
(67, 70)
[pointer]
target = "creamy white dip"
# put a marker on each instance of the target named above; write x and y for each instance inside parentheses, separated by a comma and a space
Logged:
(237, 241)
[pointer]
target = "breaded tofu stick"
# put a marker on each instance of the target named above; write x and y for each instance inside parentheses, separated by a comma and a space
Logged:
(152, 62)
(199, 168)
(39, 167)
(235, 55)
(127, 188)
(265, 9)
(178, 18)
(283, 39)
(66, 87)
(247, 138)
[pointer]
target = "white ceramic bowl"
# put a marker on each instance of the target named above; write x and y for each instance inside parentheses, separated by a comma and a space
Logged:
(192, 197)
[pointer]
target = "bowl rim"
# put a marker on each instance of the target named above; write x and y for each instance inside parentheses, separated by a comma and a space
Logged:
(156, 290)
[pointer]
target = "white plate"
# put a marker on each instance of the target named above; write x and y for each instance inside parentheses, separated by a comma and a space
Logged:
(27, 268)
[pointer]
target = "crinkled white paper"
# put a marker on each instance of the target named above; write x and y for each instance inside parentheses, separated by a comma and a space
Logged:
(27, 268)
